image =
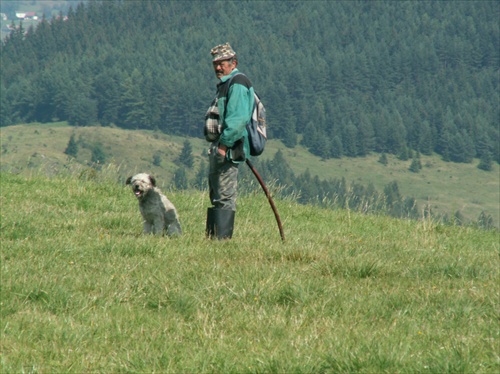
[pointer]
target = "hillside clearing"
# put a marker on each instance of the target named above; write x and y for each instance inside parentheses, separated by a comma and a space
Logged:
(444, 187)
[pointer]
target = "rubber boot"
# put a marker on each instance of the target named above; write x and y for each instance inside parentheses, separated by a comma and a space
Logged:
(220, 223)
(210, 230)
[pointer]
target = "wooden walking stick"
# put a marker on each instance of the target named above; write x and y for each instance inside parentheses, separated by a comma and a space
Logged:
(271, 202)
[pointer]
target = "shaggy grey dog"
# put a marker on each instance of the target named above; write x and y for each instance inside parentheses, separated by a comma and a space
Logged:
(158, 212)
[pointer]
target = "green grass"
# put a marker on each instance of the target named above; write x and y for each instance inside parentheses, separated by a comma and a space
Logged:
(444, 187)
(83, 290)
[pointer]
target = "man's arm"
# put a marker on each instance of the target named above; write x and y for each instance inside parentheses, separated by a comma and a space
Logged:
(237, 114)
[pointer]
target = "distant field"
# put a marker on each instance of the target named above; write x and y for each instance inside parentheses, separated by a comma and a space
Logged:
(446, 187)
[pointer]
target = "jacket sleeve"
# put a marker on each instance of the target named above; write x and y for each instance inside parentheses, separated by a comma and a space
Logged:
(237, 114)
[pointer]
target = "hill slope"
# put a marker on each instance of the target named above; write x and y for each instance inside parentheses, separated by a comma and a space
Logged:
(446, 187)
(84, 291)
(355, 76)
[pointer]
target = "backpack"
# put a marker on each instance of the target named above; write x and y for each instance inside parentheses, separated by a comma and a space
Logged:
(256, 128)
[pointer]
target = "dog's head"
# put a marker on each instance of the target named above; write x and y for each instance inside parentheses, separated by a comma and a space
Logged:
(141, 184)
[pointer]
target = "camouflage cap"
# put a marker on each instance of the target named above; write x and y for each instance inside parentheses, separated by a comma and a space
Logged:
(222, 52)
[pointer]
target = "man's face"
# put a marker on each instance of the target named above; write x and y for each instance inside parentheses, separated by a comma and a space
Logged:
(223, 67)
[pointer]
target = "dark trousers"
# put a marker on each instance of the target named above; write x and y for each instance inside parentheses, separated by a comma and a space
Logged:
(222, 180)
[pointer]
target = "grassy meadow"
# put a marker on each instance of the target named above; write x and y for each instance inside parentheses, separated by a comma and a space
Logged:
(443, 186)
(83, 290)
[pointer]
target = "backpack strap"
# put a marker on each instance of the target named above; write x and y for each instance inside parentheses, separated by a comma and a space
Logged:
(239, 78)
(246, 82)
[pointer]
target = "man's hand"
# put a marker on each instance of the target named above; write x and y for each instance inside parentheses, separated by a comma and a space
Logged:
(222, 149)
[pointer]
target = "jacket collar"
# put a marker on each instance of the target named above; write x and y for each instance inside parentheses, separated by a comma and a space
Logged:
(225, 78)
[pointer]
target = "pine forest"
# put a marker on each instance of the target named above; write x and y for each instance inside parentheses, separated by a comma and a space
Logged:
(343, 78)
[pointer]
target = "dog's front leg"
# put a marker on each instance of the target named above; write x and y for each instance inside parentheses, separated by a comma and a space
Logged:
(148, 227)
(158, 227)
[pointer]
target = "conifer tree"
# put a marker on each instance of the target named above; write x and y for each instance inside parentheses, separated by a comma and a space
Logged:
(200, 181)
(98, 155)
(186, 156)
(486, 161)
(350, 140)
(458, 218)
(403, 155)
(72, 147)
(485, 221)
(157, 158)
(383, 159)
(416, 165)
(337, 149)
(181, 179)
(132, 111)
(392, 194)
(5, 107)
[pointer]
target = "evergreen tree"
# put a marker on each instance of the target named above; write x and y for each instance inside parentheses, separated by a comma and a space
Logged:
(383, 159)
(445, 142)
(72, 147)
(460, 148)
(132, 111)
(107, 93)
(323, 147)
(288, 132)
(181, 179)
(485, 221)
(81, 111)
(5, 107)
(311, 136)
(98, 156)
(157, 158)
(425, 139)
(201, 178)
(186, 156)
(366, 136)
(458, 218)
(410, 208)
(337, 150)
(486, 162)
(350, 140)
(308, 190)
(279, 170)
(403, 155)
(416, 164)
(396, 136)
(392, 197)
(470, 149)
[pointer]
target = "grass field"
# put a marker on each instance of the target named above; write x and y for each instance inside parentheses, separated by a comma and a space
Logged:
(82, 290)
(445, 187)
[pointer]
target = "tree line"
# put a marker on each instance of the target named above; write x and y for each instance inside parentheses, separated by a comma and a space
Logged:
(344, 78)
(334, 193)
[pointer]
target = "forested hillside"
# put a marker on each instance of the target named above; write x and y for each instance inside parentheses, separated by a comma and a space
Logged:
(345, 78)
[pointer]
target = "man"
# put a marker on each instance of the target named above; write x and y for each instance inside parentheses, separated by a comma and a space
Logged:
(225, 128)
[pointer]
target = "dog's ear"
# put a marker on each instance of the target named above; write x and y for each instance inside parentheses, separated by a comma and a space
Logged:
(153, 180)
(129, 179)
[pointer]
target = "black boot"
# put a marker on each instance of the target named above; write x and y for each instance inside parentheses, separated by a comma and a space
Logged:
(220, 223)
(210, 230)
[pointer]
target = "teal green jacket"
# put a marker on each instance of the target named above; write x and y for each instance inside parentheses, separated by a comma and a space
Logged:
(235, 110)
